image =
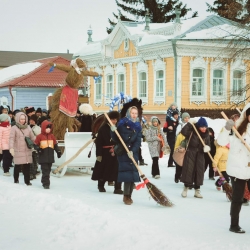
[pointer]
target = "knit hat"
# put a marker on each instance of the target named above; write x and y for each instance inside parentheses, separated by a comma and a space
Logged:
(45, 111)
(29, 110)
(173, 104)
(202, 123)
(39, 110)
(4, 117)
(248, 112)
(155, 118)
(34, 118)
(184, 115)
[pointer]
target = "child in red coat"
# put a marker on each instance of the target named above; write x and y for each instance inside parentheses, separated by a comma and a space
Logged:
(46, 143)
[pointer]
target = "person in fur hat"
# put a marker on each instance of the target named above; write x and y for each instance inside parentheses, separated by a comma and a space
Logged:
(155, 138)
(86, 118)
(106, 166)
(64, 100)
(194, 161)
(39, 112)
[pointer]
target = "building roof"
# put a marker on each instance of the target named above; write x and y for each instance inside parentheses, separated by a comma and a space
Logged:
(159, 33)
(8, 58)
(38, 76)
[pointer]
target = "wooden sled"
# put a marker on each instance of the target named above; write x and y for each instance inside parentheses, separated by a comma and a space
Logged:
(73, 141)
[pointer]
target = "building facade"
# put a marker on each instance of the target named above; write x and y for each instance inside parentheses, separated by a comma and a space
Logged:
(160, 63)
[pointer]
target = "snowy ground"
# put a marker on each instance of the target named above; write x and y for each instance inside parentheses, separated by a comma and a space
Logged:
(73, 215)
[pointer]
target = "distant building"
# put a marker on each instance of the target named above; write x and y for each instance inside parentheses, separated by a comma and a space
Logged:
(30, 83)
(162, 63)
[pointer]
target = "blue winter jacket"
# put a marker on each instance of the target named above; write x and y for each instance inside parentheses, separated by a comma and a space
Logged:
(131, 135)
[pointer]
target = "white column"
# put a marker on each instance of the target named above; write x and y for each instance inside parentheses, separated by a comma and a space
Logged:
(131, 79)
(179, 83)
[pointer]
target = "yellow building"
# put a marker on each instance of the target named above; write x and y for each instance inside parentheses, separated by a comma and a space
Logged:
(161, 63)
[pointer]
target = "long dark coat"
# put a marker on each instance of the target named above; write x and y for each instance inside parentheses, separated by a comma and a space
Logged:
(107, 169)
(194, 162)
(131, 135)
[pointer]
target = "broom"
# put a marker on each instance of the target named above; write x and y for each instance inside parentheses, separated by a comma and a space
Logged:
(226, 186)
(156, 194)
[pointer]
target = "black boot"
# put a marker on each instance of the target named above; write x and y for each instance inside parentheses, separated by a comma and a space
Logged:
(142, 163)
(102, 189)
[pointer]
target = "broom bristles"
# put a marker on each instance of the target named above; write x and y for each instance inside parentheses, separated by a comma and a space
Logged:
(157, 195)
(228, 190)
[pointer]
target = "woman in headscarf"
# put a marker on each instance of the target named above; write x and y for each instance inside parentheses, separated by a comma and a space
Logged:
(129, 128)
(18, 148)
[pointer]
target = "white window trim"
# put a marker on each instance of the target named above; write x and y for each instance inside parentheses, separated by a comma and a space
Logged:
(198, 63)
(98, 102)
(237, 65)
(120, 69)
(160, 65)
(108, 71)
(218, 65)
(142, 67)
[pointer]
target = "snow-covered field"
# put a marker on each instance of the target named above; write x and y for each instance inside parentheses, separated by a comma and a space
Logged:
(73, 215)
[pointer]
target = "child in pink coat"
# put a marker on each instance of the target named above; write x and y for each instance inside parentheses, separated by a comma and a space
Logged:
(5, 127)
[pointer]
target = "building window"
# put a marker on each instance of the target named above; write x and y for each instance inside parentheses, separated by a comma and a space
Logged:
(218, 82)
(159, 90)
(109, 86)
(121, 83)
(237, 83)
(198, 82)
(142, 85)
(98, 89)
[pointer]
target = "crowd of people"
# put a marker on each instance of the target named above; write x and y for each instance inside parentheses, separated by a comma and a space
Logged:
(115, 165)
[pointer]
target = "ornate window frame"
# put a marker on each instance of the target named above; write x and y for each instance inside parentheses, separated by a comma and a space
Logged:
(198, 63)
(237, 65)
(120, 69)
(126, 44)
(159, 65)
(142, 67)
(108, 71)
(98, 102)
(218, 65)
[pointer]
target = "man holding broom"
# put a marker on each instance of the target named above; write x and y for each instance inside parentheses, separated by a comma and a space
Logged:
(238, 164)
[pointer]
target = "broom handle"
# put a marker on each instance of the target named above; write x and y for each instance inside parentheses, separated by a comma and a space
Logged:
(236, 132)
(203, 143)
(124, 145)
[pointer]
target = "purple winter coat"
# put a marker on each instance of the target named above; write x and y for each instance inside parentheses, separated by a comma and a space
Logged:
(23, 154)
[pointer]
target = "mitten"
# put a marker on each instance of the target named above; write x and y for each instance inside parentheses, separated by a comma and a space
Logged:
(113, 128)
(229, 125)
(192, 120)
(59, 154)
(12, 152)
(163, 148)
(99, 158)
(206, 148)
(130, 154)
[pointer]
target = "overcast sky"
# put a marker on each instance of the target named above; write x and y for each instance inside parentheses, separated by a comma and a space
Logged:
(58, 25)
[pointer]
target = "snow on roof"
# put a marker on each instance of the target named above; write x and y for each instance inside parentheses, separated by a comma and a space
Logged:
(139, 28)
(151, 39)
(17, 70)
(225, 31)
(190, 23)
(89, 49)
